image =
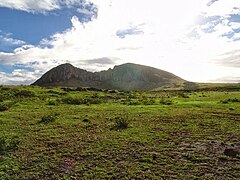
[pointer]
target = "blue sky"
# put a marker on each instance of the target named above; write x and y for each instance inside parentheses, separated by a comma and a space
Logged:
(32, 27)
(185, 37)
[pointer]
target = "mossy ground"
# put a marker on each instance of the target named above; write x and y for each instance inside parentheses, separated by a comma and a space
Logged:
(169, 135)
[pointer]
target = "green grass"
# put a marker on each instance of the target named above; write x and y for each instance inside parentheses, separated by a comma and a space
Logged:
(51, 133)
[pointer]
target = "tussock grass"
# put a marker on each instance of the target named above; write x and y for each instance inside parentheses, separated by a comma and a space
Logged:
(78, 100)
(8, 145)
(121, 123)
(49, 118)
(4, 106)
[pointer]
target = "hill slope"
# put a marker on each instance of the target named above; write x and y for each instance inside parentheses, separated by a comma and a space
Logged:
(123, 77)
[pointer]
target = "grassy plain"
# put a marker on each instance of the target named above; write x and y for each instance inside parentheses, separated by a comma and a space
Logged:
(54, 133)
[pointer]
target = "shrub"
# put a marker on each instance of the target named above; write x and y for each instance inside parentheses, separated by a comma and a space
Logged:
(233, 100)
(5, 88)
(121, 123)
(76, 100)
(25, 93)
(132, 102)
(94, 101)
(112, 91)
(8, 145)
(166, 101)
(139, 101)
(53, 102)
(131, 96)
(148, 101)
(2, 97)
(48, 118)
(8, 93)
(183, 95)
(6, 105)
(73, 100)
(56, 92)
(95, 95)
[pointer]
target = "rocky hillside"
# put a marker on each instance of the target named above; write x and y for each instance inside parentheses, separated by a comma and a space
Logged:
(123, 77)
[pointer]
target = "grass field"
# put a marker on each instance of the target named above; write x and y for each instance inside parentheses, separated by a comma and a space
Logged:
(51, 133)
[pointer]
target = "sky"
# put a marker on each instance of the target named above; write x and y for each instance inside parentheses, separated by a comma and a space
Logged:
(198, 40)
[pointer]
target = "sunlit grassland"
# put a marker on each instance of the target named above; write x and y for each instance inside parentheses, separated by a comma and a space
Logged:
(52, 133)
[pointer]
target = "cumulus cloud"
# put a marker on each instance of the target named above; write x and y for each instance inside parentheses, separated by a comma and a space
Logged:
(223, 8)
(45, 6)
(31, 5)
(10, 41)
(85, 11)
(162, 40)
(18, 77)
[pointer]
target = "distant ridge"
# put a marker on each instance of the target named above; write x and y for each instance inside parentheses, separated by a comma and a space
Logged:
(127, 76)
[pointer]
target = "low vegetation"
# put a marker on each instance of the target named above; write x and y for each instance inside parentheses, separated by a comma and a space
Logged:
(8, 145)
(24, 93)
(120, 123)
(48, 118)
(84, 133)
(229, 100)
(6, 105)
(78, 100)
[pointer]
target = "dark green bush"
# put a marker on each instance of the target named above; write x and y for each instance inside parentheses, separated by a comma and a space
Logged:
(7, 145)
(25, 93)
(6, 105)
(142, 101)
(73, 100)
(133, 102)
(233, 100)
(183, 95)
(224, 101)
(148, 101)
(8, 93)
(56, 92)
(98, 100)
(131, 96)
(76, 100)
(121, 123)
(165, 101)
(2, 97)
(53, 101)
(46, 119)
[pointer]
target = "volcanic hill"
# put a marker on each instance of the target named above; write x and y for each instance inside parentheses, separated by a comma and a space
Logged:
(127, 76)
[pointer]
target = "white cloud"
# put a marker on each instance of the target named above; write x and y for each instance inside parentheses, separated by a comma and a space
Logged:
(164, 42)
(42, 6)
(31, 5)
(234, 25)
(84, 11)
(236, 36)
(223, 8)
(17, 77)
(10, 41)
